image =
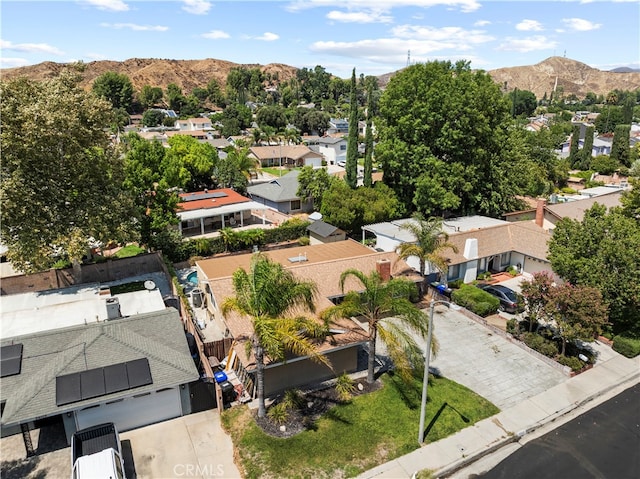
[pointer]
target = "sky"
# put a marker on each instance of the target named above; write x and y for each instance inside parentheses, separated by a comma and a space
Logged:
(372, 36)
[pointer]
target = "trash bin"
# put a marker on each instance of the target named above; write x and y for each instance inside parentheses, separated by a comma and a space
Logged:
(196, 298)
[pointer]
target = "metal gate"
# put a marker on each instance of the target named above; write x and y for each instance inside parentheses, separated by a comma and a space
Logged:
(203, 396)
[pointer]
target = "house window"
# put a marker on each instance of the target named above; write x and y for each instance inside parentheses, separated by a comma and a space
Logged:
(505, 259)
(482, 265)
(343, 147)
(295, 205)
(453, 272)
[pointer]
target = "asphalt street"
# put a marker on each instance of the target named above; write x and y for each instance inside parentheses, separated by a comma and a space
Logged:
(602, 443)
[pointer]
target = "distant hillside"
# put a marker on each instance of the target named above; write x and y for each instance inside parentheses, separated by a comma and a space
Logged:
(574, 77)
(187, 74)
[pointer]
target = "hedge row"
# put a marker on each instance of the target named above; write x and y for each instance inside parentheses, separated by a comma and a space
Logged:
(476, 300)
(629, 347)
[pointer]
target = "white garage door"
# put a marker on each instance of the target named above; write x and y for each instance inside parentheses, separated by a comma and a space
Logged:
(132, 412)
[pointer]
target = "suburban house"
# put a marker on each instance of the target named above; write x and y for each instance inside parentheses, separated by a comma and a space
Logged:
(197, 134)
(322, 264)
(281, 194)
(547, 216)
(483, 243)
(84, 356)
(332, 148)
(193, 124)
(338, 126)
(321, 232)
(601, 146)
(207, 211)
(286, 156)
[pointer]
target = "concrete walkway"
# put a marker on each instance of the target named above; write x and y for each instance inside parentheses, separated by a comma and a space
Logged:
(546, 409)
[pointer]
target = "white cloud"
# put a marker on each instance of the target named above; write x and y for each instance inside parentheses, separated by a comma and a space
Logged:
(96, 56)
(463, 5)
(215, 35)
(359, 17)
(13, 62)
(267, 37)
(482, 23)
(447, 35)
(580, 25)
(529, 44)
(196, 7)
(135, 27)
(30, 47)
(111, 5)
(529, 26)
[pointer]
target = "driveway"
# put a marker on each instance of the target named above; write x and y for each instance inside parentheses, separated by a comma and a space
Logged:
(487, 363)
(193, 446)
(188, 446)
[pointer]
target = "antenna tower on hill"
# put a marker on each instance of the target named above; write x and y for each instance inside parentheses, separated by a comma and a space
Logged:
(408, 57)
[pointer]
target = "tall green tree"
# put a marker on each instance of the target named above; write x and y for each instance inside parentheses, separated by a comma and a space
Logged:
(603, 251)
(574, 147)
(189, 164)
(390, 316)
(587, 149)
(62, 177)
(174, 97)
(272, 298)
(429, 245)
(351, 166)
(631, 199)
(445, 120)
(312, 183)
(620, 146)
(368, 140)
(235, 170)
(351, 209)
(116, 88)
(150, 96)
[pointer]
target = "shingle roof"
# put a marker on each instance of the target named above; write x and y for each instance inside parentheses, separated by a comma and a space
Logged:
(321, 228)
(325, 263)
(292, 152)
(284, 188)
(158, 336)
(576, 209)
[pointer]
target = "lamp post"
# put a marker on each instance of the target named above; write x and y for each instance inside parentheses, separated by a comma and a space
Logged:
(425, 380)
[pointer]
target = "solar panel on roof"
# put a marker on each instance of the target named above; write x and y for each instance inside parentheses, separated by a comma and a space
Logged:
(68, 389)
(10, 360)
(139, 373)
(115, 378)
(204, 196)
(92, 383)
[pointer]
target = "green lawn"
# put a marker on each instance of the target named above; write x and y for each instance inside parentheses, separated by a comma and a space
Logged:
(129, 250)
(275, 171)
(351, 438)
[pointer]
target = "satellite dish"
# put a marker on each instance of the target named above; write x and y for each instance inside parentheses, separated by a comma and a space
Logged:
(149, 285)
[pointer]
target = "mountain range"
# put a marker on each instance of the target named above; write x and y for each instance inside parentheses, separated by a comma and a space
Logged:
(572, 76)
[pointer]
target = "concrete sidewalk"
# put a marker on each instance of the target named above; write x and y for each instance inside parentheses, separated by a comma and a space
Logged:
(510, 425)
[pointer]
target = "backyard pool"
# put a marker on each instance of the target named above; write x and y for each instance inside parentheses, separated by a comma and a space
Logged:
(193, 278)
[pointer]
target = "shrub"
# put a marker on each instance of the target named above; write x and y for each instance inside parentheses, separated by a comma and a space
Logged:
(278, 413)
(484, 276)
(304, 240)
(345, 387)
(293, 399)
(512, 270)
(513, 327)
(629, 347)
(456, 284)
(540, 344)
(574, 363)
(476, 300)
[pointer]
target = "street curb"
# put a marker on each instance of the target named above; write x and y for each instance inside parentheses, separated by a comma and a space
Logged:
(462, 463)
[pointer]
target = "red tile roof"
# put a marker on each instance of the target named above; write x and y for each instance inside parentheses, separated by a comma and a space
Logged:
(231, 198)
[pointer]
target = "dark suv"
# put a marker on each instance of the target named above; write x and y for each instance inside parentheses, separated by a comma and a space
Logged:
(510, 301)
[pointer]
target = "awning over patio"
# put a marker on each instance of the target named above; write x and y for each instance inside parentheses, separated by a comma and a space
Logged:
(220, 210)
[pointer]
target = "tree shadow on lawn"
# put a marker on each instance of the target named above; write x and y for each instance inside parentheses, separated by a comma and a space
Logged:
(410, 393)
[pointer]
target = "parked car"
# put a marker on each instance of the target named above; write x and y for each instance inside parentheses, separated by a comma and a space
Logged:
(342, 163)
(510, 301)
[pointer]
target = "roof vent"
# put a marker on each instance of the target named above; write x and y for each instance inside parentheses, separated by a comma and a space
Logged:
(113, 308)
(301, 258)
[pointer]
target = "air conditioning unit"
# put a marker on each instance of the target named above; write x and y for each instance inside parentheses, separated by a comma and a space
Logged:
(113, 308)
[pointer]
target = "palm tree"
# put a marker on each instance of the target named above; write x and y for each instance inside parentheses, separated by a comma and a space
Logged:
(390, 315)
(430, 242)
(268, 294)
(245, 163)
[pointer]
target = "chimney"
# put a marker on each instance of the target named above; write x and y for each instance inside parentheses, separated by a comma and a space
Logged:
(540, 212)
(383, 267)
